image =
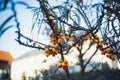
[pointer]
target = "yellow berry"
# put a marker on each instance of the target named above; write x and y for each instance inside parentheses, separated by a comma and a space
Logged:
(60, 40)
(86, 38)
(53, 23)
(34, 43)
(47, 54)
(54, 50)
(61, 34)
(97, 37)
(51, 34)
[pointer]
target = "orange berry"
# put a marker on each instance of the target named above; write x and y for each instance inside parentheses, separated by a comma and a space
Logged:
(34, 43)
(91, 41)
(100, 45)
(113, 57)
(56, 45)
(90, 35)
(63, 64)
(97, 37)
(46, 46)
(95, 41)
(79, 43)
(105, 43)
(54, 50)
(54, 41)
(46, 50)
(65, 67)
(61, 35)
(51, 34)
(60, 40)
(60, 65)
(65, 61)
(60, 60)
(51, 39)
(53, 54)
(109, 56)
(48, 17)
(86, 38)
(103, 53)
(53, 23)
(107, 50)
(47, 54)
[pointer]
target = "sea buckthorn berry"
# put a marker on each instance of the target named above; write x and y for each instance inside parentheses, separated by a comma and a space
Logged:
(54, 50)
(63, 64)
(60, 65)
(91, 41)
(79, 43)
(60, 40)
(97, 37)
(105, 43)
(47, 54)
(56, 45)
(46, 46)
(100, 45)
(54, 41)
(103, 53)
(95, 41)
(51, 39)
(34, 43)
(108, 55)
(65, 61)
(65, 67)
(53, 54)
(61, 34)
(90, 35)
(51, 34)
(48, 17)
(60, 60)
(53, 23)
(113, 57)
(86, 38)
(46, 50)
(107, 50)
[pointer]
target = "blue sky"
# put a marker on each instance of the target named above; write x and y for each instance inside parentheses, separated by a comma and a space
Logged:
(7, 41)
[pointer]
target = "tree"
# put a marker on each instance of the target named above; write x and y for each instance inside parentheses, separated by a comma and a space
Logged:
(64, 23)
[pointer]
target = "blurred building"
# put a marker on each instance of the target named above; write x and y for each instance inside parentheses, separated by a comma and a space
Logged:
(27, 65)
(5, 65)
(33, 62)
